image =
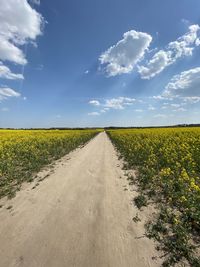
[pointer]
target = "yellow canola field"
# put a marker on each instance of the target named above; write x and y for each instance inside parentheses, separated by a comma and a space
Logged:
(24, 152)
(168, 163)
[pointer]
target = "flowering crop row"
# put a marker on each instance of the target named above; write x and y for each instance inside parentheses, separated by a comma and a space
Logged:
(168, 163)
(24, 152)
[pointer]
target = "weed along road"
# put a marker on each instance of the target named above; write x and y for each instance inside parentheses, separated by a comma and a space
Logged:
(80, 216)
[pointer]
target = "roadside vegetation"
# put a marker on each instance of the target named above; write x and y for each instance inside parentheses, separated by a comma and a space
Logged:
(168, 164)
(24, 152)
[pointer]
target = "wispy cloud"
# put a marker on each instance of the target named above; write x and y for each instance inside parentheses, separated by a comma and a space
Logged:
(40, 67)
(35, 2)
(94, 102)
(183, 46)
(179, 109)
(7, 92)
(184, 85)
(6, 73)
(118, 103)
(94, 113)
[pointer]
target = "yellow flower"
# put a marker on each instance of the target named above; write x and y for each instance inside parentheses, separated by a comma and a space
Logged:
(183, 199)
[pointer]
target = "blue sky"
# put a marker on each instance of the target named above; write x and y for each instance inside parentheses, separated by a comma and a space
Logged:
(99, 63)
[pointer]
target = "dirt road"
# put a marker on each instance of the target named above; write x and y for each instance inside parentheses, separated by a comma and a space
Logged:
(79, 216)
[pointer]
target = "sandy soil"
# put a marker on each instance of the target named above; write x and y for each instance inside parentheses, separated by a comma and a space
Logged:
(80, 215)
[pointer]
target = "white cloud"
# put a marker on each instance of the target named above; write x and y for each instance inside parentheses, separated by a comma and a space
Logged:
(118, 103)
(139, 110)
(197, 42)
(87, 71)
(35, 2)
(161, 97)
(7, 92)
(10, 52)
(112, 103)
(183, 46)
(93, 113)
(122, 57)
(159, 61)
(186, 84)
(19, 24)
(94, 102)
(174, 106)
(6, 73)
(158, 97)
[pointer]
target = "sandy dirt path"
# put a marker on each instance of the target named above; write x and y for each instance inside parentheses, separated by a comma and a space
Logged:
(79, 216)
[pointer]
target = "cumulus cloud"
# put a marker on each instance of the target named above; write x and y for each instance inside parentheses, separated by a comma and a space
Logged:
(186, 85)
(94, 102)
(19, 24)
(6, 73)
(7, 92)
(158, 62)
(183, 46)
(123, 56)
